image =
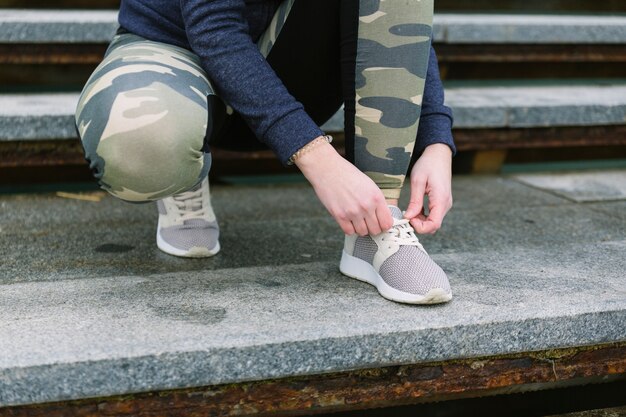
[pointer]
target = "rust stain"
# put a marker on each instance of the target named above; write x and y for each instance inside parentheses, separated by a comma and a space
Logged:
(530, 53)
(555, 137)
(70, 152)
(92, 53)
(52, 53)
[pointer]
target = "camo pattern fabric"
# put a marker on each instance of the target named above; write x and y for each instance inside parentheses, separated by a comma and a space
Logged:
(142, 116)
(392, 61)
(268, 38)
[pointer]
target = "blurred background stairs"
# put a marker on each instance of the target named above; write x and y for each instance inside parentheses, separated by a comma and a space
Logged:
(529, 81)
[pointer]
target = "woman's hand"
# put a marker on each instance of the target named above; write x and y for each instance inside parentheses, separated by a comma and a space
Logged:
(351, 197)
(431, 175)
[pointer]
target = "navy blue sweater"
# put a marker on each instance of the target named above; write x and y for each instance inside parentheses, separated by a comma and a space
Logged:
(222, 33)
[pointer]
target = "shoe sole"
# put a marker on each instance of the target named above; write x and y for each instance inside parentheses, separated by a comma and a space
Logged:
(195, 252)
(359, 269)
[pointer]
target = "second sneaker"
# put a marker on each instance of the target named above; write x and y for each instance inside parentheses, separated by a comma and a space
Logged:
(187, 226)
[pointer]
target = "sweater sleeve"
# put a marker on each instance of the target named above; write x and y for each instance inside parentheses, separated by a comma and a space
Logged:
(218, 33)
(436, 118)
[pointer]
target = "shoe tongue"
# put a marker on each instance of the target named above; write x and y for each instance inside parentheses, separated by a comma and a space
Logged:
(191, 205)
(396, 213)
(196, 223)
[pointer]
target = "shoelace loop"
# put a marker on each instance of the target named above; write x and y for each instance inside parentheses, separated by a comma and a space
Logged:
(189, 205)
(402, 234)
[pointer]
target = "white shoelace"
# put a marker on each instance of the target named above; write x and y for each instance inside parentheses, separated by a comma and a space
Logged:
(189, 205)
(402, 234)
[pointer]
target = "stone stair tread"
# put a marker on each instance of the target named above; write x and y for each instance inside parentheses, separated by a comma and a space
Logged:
(88, 335)
(99, 26)
(47, 116)
(37, 116)
(64, 26)
(532, 29)
(537, 106)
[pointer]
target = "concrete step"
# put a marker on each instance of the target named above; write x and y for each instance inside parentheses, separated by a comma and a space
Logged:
(80, 26)
(50, 116)
(529, 29)
(57, 26)
(90, 308)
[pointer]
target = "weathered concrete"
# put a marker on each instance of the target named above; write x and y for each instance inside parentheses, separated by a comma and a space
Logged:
(49, 26)
(88, 307)
(110, 238)
(75, 26)
(581, 187)
(50, 116)
(529, 29)
(538, 106)
(37, 116)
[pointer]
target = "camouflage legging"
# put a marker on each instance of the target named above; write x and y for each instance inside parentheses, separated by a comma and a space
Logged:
(144, 114)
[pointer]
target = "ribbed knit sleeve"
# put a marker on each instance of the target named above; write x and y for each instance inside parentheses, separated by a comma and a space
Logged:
(436, 118)
(218, 33)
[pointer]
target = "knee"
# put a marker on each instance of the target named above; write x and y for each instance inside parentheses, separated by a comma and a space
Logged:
(145, 153)
(149, 166)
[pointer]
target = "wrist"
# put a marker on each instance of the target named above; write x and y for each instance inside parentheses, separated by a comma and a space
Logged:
(321, 151)
(438, 149)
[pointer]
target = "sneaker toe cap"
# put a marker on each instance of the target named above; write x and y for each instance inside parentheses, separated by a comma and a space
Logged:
(187, 238)
(412, 271)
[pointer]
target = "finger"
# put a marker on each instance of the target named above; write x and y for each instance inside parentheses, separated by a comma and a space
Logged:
(436, 214)
(433, 221)
(347, 227)
(372, 224)
(427, 227)
(360, 227)
(418, 223)
(416, 204)
(385, 221)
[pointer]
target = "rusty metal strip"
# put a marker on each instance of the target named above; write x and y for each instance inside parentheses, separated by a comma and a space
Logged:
(41, 153)
(58, 53)
(525, 6)
(530, 53)
(390, 386)
(69, 152)
(490, 139)
(52, 53)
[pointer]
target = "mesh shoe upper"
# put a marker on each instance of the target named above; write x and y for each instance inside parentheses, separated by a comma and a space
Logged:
(187, 220)
(193, 233)
(409, 269)
(365, 248)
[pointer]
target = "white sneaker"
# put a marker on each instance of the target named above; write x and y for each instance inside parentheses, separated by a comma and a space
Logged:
(187, 226)
(396, 263)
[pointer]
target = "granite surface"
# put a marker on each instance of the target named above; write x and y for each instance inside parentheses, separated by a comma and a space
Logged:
(50, 116)
(529, 29)
(581, 187)
(110, 237)
(537, 106)
(88, 307)
(49, 26)
(37, 116)
(75, 26)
